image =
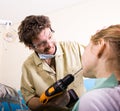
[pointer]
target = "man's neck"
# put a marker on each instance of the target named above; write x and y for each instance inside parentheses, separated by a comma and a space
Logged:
(51, 63)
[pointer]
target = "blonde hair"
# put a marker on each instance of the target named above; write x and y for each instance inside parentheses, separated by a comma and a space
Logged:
(110, 34)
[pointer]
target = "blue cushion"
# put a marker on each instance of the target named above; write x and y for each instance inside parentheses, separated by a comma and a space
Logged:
(12, 106)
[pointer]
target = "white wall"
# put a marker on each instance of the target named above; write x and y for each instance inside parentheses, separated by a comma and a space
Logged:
(12, 55)
(72, 23)
(81, 21)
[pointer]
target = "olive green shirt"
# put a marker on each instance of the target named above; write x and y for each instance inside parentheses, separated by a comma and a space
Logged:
(37, 75)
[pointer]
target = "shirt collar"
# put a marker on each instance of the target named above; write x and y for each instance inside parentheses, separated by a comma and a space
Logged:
(106, 82)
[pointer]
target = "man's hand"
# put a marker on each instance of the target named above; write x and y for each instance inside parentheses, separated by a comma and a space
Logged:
(57, 103)
(60, 100)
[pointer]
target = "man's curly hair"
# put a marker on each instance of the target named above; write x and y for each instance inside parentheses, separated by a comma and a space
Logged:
(31, 26)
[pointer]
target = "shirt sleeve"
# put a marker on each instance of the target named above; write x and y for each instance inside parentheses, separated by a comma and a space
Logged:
(26, 84)
(104, 99)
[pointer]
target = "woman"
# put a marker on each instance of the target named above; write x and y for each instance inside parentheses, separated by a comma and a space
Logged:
(101, 59)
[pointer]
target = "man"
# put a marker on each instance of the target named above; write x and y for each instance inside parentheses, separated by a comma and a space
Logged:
(50, 62)
(101, 59)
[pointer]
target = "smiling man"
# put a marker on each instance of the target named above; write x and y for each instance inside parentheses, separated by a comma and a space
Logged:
(49, 62)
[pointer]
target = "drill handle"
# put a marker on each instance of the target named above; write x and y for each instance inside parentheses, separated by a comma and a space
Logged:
(49, 94)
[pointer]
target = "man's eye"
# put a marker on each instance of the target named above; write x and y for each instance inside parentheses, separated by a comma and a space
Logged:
(43, 43)
(39, 45)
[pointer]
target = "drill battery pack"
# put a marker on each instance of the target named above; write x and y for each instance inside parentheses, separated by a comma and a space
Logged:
(73, 98)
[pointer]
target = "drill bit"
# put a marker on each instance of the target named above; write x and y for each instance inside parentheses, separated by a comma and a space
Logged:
(77, 71)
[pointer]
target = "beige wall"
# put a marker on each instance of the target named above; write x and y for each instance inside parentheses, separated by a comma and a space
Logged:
(72, 23)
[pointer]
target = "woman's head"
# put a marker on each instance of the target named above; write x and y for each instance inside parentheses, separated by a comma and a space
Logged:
(110, 35)
(103, 50)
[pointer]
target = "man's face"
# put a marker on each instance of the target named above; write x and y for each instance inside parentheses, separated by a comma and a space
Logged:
(45, 43)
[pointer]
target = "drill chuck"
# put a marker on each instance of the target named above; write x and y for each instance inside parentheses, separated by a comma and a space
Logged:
(68, 79)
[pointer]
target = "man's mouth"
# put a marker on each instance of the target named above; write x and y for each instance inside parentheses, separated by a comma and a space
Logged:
(47, 50)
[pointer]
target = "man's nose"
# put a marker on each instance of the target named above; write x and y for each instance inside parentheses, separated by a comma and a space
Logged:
(49, 43)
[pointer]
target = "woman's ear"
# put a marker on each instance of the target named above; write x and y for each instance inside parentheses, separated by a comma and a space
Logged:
(102, 46)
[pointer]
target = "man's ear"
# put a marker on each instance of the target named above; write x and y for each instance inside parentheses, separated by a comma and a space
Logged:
(102, 46)
(31, 47)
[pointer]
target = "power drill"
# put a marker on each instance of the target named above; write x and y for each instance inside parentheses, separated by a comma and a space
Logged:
(57, 88)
